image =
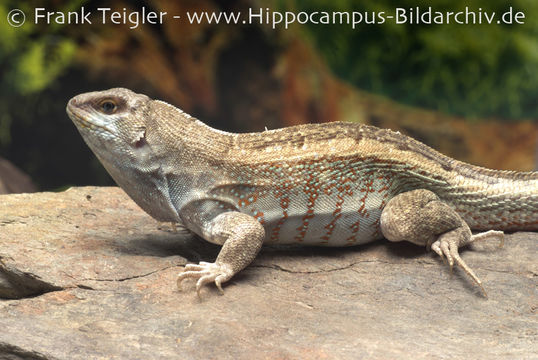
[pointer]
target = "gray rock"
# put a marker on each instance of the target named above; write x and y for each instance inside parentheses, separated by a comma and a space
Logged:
(86, 274)
(14, 180)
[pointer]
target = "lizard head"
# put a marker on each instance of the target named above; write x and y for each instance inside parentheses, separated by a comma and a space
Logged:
(113, 122)
(115, 116)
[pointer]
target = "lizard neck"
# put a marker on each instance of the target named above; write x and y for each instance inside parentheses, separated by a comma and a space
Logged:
(184, 133)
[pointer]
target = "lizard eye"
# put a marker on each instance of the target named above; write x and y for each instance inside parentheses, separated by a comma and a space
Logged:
(108, 106)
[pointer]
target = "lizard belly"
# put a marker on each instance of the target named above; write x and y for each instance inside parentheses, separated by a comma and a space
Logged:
(350, 229)
(328, 221)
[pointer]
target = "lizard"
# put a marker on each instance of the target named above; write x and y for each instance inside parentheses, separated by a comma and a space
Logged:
(328, 184)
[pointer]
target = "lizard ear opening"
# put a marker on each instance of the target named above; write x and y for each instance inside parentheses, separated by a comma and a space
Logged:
(141, 141)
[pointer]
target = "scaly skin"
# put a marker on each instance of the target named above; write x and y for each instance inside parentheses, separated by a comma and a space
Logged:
(331, 184)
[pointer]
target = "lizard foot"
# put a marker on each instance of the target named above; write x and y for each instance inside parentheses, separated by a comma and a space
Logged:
(205, 273)
(447, 246)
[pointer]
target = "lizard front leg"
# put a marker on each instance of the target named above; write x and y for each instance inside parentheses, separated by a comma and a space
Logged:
(420, 217)
(241, 237)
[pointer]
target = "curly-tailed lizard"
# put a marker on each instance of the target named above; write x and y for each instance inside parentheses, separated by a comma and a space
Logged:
(333, 184)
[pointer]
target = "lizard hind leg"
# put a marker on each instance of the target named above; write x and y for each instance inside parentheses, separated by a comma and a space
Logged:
(420, 217)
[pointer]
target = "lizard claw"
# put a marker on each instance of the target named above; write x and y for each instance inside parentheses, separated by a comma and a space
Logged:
(205, 273)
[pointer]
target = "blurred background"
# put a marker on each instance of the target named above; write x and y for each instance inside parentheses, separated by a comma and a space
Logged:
(470, 91)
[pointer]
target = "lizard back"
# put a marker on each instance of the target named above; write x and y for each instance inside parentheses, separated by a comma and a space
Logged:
(328, 183)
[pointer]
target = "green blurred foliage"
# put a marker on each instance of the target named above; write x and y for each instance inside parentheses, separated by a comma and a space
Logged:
(31, 58)
(470, 70)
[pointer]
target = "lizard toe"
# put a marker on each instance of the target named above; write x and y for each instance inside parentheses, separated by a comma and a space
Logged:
(491, 234)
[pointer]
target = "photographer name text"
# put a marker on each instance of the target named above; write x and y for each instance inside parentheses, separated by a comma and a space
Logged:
(284, 19)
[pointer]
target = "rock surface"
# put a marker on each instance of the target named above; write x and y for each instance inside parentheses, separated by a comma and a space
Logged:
(86, 274)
